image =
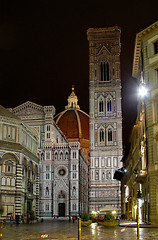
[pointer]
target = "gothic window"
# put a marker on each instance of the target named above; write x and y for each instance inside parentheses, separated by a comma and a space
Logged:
(101, 136)
(104, 70)
(74, 191)
(103, 175)
(56, 156)
(61, 155)
(66, 155)
(42, 156)
(108, 175)
(109, 105)
(109, 135)
(101, 106)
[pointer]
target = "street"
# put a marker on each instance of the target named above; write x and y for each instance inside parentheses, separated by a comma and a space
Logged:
(65, 230)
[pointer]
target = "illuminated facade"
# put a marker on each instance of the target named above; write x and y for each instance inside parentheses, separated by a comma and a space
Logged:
(63, 167)
(142, 168)
(145, 69)
(105, 116)
(19, 167)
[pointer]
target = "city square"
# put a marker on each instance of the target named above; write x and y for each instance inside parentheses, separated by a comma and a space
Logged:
(68, 230)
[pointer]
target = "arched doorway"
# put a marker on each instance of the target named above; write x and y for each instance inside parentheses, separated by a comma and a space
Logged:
(61, 204)
(61, 209)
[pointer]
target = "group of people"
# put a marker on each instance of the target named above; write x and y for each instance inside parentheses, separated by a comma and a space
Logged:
(17, 219)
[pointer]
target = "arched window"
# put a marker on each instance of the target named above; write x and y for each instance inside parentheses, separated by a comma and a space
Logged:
(74, 190)
(101, 106)
(56, 156)
(103, 175)
(61, 155)
(109, 135)
(101, 136)
(66, 155)
(3, 181)
(109, 105)
(47, 191)
(104, 70)
(9, 167)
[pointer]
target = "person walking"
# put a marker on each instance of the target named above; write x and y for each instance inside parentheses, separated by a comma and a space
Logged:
(11, 220)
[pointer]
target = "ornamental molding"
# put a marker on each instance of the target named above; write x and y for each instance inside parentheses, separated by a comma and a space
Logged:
(30, 108)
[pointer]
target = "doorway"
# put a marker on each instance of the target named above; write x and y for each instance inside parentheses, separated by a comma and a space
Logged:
(61, 209)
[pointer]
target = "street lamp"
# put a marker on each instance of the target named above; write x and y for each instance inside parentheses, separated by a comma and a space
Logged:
(143, 91)
(138, 198)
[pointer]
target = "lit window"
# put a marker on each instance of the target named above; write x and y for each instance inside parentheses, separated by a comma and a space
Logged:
(101, 135)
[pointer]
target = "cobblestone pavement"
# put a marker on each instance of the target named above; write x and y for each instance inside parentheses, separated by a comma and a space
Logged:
(65, 230)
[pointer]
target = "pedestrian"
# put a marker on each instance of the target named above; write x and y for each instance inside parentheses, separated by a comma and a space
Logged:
(11, 220)
(73, 219)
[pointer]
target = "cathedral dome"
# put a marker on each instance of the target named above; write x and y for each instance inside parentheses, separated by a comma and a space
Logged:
(74, 123)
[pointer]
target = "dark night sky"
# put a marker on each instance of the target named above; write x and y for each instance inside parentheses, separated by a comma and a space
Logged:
(44, 49)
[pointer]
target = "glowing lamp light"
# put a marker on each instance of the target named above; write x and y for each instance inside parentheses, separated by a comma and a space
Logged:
(113, 212)
(94, 212)
(143, 91)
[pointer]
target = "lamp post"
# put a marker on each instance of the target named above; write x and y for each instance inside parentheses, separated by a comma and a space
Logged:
(138, 197)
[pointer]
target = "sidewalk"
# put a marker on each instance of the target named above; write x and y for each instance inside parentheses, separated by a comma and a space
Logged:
(132, 224)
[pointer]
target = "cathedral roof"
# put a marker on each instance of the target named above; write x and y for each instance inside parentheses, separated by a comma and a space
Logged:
(73, 122)
(6, 113)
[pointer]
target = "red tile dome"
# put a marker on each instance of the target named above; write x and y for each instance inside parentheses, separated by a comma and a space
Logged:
(74, 123)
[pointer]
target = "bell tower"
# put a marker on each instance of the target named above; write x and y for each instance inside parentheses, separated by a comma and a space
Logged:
(105, 116)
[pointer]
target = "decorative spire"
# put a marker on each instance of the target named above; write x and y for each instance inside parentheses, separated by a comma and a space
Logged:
(72, 100)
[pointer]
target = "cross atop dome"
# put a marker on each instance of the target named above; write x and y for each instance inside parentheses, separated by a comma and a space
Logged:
(72, 100)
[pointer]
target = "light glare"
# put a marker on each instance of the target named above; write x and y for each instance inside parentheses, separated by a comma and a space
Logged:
(143, 91)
